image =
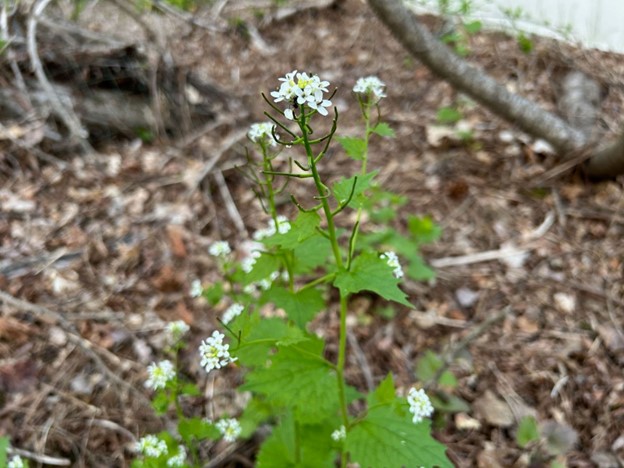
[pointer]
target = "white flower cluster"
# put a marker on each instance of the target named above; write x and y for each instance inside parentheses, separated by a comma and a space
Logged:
(151, 446)
(283, 226)
(230, 429)
(16, 462)
(339, 434)
(393, 262)
(196, 288)
(420, 405)
(371, 85)
(176, 330)
(179, 459)
(214, 354)
(232, 312)
(160, 374)
(302, 89)
(262, 133)
(220, 249)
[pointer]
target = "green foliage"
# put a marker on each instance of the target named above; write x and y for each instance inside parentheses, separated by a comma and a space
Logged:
(285, 286)
(369, 272)
(448, 115)
(527, 431)
(385, 436)
(524, 43)
(4, 445)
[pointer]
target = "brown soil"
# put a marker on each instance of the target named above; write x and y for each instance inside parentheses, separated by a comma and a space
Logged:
(107, 251)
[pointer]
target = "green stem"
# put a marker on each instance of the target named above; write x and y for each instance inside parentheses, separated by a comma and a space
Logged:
(340, 366)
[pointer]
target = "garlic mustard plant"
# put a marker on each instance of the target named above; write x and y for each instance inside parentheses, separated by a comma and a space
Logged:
(273, 286)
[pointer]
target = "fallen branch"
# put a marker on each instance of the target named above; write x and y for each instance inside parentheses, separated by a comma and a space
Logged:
(606, 160)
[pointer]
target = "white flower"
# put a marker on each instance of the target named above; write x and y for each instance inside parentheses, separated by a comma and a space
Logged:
(393, 262)
(420, 405)
(220, 249)
(262, 133)
(176, 330)
(229, 428)
(214, 354)
(178, 459)
(151, 446)
(283, 226)
(232, 312)
(16, 462)
(339, 434)
(247, 264)
(369, 86)
(302, 89)
(250, 289)
(196, 288)
(160, 374)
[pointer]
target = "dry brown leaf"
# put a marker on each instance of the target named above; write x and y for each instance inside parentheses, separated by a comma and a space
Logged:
(175, 236)
(494, 410)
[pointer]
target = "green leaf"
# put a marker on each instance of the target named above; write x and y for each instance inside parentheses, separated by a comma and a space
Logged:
(384, 130)
(418, 270)
(525, 44)
(264, 266)
(342, 188)
(354, 147)
(311, 253)
(197, 429)
(387, 437)
(301, 307)
(315, 446)
(473, 27)
(213, 294)
(369, 272)
(190, 389)
(428, 365)
(160, 402)
(385, 392)
(528, 431)
(448, 115)
(259, 336)
(423, 229)
(301, 229)
(255, 413)
(4, 445)
(447, 403)
(298, 377)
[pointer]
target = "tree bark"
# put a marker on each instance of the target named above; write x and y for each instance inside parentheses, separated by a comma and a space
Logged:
(606, 161)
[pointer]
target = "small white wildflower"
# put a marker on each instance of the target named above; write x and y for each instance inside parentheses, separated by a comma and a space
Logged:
(393, 262)
(232, 312)
(160, 374)
(178, 459)
(420, 405)
(371, 85)
(339, 434)
(283, 226)
(196, 288)
(264, 284)
(16, 462)
(247, 264)
(176, 330)
(214, 354)
(262, 133)
(302, 89)
(250, 289)
(151, 446)
(229, 428)
(220, 249)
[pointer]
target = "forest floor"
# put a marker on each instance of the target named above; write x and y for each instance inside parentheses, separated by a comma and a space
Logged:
(95, 256)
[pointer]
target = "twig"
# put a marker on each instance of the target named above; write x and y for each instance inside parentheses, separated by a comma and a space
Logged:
(362, 362)
(186, 17)
(225, 146)
(74, 337)
(464, 342)
(113, 426)
(66, 114)
(478, 257)
(230, 206)
(44, 459)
